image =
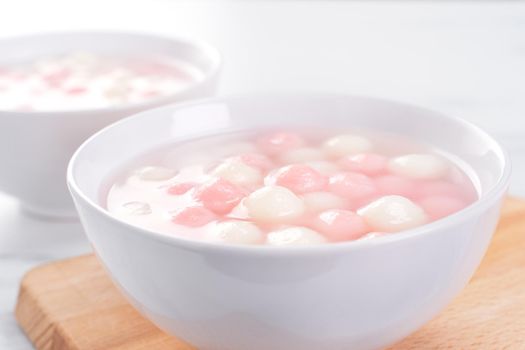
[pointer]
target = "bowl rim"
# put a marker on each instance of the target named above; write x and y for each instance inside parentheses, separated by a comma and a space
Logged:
(495, 193)
(210, 52)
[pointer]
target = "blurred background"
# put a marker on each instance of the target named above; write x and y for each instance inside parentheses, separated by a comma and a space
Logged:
(464, 58)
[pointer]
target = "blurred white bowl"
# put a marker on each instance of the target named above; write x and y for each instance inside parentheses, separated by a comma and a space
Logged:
(355, 295)
(36, 146)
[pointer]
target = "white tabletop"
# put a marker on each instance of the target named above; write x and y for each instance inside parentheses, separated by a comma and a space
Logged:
(463, 58)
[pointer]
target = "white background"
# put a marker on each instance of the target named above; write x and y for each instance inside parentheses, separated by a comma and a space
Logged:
(463, 58)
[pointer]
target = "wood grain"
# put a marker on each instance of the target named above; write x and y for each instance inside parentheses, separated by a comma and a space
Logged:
(72, 305)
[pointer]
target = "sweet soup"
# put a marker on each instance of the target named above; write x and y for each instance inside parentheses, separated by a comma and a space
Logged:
(283, 188)
(83, 81)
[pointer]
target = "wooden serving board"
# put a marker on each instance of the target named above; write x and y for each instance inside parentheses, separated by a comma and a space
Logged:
(72, 305)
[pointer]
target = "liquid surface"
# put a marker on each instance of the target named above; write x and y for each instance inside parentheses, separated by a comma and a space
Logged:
(288, 188)
(85, 81)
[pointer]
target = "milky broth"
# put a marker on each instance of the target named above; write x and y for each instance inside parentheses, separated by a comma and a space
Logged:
(288, 187)
(84, 80)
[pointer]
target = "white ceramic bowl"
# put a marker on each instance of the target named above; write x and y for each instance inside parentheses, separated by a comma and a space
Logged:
(354, 295)
(36, 146)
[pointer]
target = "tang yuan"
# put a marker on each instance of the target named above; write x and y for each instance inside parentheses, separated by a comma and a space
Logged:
(289, 188)
(393, 213)
(238, 172)
(299, 178)
(319, 201)
(341, 225)
(82, 80)
(274, 204)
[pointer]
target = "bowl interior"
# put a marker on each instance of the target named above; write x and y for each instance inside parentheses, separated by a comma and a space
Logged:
(479, 155)
(21, 49)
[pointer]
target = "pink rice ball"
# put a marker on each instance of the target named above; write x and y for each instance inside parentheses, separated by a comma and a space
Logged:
(340, 225)
(194, 216)
(219, 195)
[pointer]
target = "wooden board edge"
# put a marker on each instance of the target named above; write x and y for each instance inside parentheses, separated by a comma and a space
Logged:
(31, 315)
